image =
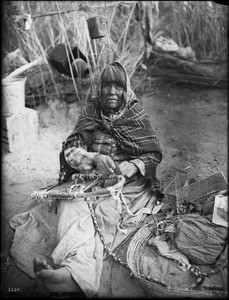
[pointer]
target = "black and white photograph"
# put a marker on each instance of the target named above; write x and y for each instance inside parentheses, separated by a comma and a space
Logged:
(114, 139)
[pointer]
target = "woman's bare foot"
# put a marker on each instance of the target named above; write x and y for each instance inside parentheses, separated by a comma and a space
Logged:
(55, 280)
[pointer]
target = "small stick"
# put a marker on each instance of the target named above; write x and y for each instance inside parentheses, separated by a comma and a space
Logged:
(169, 184)
(54, 194)
(222, 174)
(22, 17)
(176, 195)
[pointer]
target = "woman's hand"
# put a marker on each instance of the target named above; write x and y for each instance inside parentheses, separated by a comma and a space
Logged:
(127, 169)
(105, 164)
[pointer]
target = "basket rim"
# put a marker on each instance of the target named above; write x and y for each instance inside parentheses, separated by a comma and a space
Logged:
(136, 245)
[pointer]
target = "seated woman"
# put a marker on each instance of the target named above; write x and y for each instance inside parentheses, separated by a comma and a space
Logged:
(112, 136)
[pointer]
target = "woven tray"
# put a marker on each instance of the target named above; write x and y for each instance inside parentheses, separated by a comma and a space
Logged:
(160, 276)
(201, 190)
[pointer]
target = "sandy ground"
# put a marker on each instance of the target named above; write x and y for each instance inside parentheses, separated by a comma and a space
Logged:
(191, 124)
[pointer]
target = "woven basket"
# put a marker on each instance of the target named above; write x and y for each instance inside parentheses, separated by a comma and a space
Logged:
(160, 276)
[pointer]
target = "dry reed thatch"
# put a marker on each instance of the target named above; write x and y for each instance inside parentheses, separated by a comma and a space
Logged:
(132, 28)
(51, 26)
(202, 26)
(174, 69)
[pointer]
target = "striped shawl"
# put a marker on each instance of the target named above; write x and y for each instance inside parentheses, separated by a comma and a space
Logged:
(132, 132)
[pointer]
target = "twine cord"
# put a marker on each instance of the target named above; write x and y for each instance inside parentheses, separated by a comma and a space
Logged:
(116, 193)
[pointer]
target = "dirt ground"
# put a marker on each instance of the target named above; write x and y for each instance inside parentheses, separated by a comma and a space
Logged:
(191, 123)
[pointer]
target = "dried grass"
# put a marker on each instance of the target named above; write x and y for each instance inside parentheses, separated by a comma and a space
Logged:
(177, 70)
(71, 29)
(201, 25)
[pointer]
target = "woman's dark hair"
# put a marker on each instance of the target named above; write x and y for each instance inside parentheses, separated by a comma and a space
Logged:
(115, 73)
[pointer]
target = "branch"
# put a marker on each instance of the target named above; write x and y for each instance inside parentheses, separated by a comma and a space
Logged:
(22, 17)
(42, 195)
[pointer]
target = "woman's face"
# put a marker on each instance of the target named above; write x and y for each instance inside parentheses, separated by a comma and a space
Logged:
(112, 95)
(113, 86)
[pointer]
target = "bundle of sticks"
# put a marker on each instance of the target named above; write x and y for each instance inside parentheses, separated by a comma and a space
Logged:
(175, 69)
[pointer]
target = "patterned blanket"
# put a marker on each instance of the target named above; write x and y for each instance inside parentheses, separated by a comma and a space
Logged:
(132, 131)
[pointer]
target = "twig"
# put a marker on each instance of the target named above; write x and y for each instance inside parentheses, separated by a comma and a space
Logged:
(169, 184)
(127, 27)
(68, 56)
(222, 174)
(21, 17)
(140, 81)
(67, 195)
(176, 195)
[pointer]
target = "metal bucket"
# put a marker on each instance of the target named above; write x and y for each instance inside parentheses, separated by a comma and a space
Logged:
(13, 96)
(96, 27)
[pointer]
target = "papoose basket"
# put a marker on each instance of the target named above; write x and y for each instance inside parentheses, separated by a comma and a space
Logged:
(161, 276)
